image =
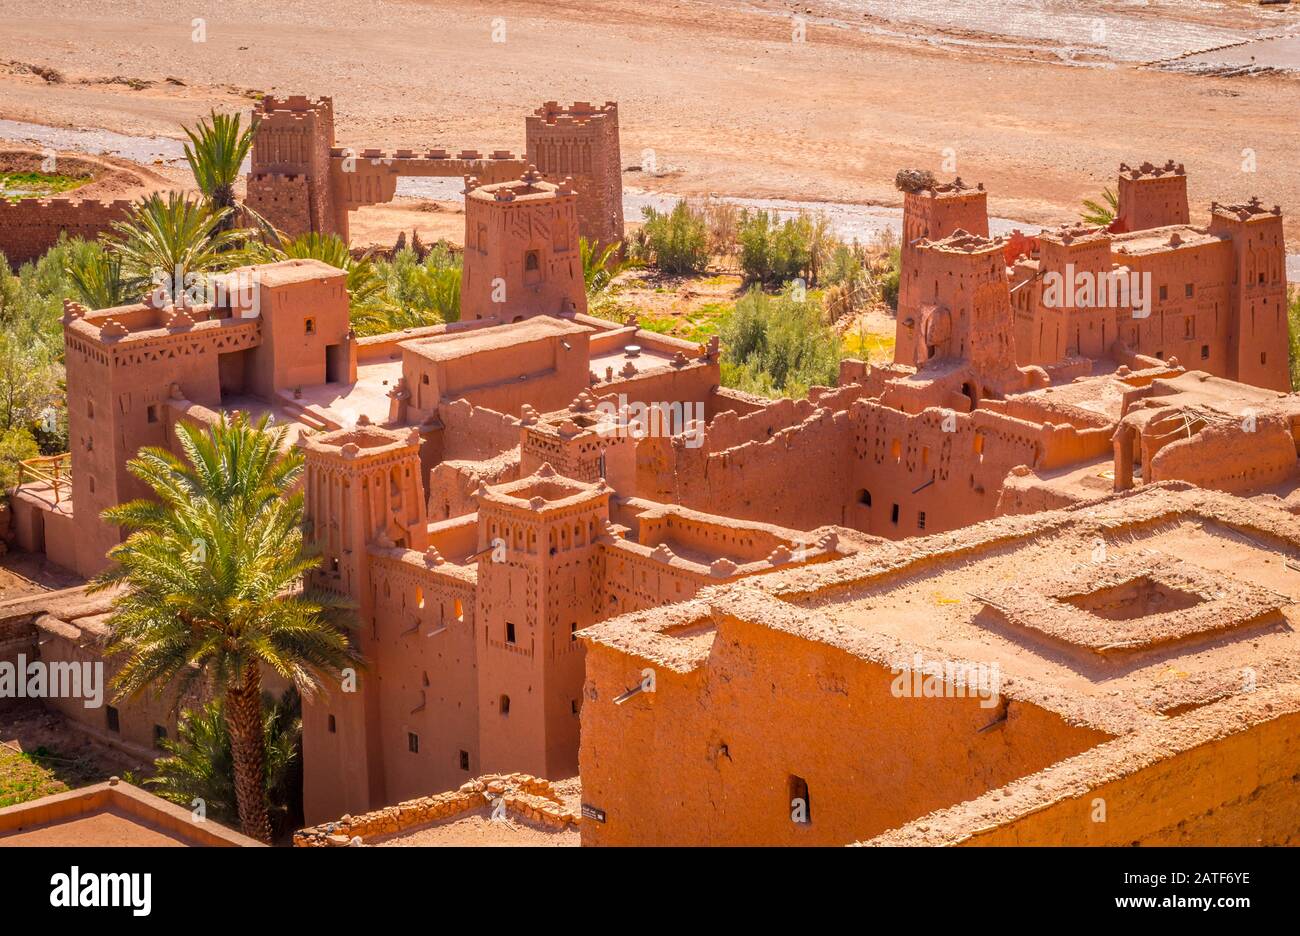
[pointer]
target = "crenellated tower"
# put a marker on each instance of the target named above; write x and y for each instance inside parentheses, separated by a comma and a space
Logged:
(1151, 196)
(581, 143)
(539, 583)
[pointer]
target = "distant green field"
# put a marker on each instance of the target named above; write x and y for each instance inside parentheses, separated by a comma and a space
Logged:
(15, 186)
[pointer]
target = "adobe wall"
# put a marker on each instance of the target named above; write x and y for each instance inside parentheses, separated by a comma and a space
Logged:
(1197, 328)
(475, 432)
(17, 634)
(1218, 458)
(424, 647)
(795, 478)
(1231, 783)
(31, 226)
(637, 581)
(83, 642)
(910, 477)
(767, 705)
(283, 199)
(693, 382)
(451, 485)
(545, 372)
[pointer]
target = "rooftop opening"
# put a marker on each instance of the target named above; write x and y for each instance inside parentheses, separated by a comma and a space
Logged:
(1137, 598)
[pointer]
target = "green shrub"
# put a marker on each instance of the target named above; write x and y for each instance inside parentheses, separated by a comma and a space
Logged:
(676, 241)
(777, 346)
(1293, 334)
(16, 445)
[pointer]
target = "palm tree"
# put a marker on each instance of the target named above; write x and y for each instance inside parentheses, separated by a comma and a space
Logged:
(1102, 215)
(198, 764)
(165, 242)
(601, 267)
(364, 282)
(96, 275)
(415, 293)
(216, 153)
(211, 578)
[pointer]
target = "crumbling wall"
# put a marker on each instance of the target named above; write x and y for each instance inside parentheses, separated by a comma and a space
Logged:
(31, 226)
(795, 478)
(524, 797)
(1220, 458)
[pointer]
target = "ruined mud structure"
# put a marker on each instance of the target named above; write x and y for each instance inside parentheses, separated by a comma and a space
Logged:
(302, 182)
(957, 598)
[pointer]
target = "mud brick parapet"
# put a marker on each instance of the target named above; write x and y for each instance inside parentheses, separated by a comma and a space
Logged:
(30, 227)
(526, 797)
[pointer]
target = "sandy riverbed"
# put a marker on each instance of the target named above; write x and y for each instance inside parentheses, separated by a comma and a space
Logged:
(716, 89)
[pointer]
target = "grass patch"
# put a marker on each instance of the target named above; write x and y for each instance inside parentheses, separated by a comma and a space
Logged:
(872, 347)
(15, 186)
(29, 775)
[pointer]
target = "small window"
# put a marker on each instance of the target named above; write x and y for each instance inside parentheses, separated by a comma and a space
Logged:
(800, 804)
(532, 262)
(1205, 352)
(151, 412)
(464, 760)
(114, 724)
(920, 519)
(159, 735)
(573, 706)
(334, 725)
(424, 379)
(510, 632)
(893, 515)
(1164, 292)
(309, 326)
(90, 408)
(413, 742)
(1189, 290)
(334, 565)
(573, 631)
(864, 497)
(505, 705)
(1263, 357)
